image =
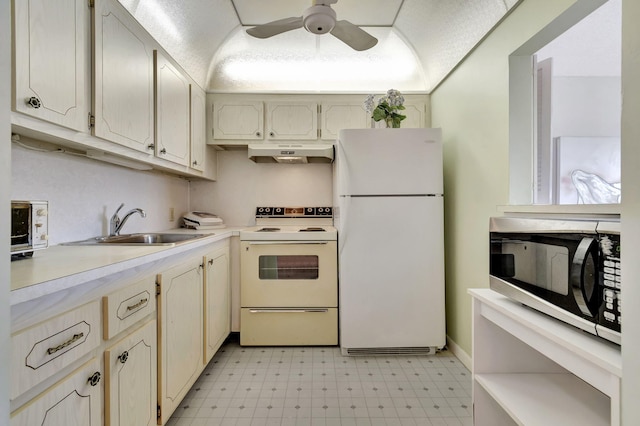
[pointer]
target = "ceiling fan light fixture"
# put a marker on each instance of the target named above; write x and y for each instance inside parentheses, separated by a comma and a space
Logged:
(319, 19)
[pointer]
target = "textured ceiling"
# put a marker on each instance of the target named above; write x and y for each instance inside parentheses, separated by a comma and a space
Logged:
(439, 33)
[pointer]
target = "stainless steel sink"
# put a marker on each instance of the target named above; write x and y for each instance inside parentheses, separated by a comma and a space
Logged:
(148, 239)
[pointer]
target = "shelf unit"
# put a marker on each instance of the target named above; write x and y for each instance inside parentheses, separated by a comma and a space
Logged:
(531, 369)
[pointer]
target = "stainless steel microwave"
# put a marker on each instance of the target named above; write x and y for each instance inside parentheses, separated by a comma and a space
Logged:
(568, 269)
(29, 227)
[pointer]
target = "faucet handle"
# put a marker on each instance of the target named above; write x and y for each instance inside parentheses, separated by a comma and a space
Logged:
(118, 209)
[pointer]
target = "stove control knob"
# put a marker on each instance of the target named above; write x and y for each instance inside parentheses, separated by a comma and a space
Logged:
(278, 209)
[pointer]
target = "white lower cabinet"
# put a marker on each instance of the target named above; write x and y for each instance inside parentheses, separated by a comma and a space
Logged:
(75, 400)
(128, 353)
(217, 301)
(180, 333)
(531, 369)
(130, 385)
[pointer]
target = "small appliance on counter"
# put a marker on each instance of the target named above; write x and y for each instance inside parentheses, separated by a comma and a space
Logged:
(202, 220)
(29, 228)
(567, 269)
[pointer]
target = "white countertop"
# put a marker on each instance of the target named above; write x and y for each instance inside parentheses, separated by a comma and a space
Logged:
(61, 267)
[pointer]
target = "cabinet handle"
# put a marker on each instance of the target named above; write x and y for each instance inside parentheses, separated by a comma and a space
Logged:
(258, 134)
(210, 262)
(195, 162)
(137, 305)
(151, 146)
(124, 356)
(288, 311)
(61, 346)
(272, 134)
(163, 151)
(94, 379)
(34, 102)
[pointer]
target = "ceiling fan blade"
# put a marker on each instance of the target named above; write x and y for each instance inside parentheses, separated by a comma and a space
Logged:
(353, 35)
(276, 27)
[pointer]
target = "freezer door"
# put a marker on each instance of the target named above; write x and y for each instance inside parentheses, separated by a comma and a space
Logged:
(391, 263)
(388, 161)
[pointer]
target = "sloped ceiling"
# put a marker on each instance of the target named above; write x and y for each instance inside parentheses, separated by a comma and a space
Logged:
(435, 34)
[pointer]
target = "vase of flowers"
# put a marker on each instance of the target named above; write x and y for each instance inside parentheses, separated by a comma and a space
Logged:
(387, 108)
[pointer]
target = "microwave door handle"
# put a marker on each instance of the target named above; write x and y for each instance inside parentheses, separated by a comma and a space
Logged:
(578, 277)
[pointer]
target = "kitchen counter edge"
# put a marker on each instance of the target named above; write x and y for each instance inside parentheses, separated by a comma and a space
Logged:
(59, 268)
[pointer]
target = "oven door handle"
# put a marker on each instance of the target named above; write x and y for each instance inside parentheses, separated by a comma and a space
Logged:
(288, 311)
(271, 243)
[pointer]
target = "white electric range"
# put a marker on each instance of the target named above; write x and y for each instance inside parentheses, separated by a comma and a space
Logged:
(289, 278)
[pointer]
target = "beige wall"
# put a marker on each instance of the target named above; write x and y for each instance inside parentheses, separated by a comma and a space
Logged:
(472, 108)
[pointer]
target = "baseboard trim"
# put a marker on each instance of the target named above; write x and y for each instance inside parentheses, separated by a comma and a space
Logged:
(464, 357)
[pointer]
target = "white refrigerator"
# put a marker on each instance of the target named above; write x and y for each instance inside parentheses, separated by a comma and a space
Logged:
(388, 209)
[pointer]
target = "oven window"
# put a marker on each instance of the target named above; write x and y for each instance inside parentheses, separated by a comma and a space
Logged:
(294, 267)
(20, 225)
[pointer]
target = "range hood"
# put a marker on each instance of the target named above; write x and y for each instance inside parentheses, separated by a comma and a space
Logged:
(291, 153)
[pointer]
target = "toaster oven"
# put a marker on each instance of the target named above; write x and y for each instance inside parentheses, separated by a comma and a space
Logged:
(29, 227)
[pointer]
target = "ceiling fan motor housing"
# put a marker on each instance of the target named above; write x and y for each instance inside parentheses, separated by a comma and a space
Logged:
(319, 19)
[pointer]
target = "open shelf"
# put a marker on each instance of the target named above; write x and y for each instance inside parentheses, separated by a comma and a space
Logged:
(546, 399)
(531, 369)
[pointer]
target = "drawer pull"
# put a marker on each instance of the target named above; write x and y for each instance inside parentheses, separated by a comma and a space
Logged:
(288, 311)
(74, 339)
(124, 356)
(137, 305)
(94, 379)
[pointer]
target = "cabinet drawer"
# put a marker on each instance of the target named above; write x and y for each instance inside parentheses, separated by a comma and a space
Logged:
(289, 327)
(125, 307)
(76, 400)
(42, 350)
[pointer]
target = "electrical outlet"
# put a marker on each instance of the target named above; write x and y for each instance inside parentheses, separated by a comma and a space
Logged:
(172, 216)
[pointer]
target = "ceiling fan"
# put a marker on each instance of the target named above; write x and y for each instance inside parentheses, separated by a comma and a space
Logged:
(320, 18)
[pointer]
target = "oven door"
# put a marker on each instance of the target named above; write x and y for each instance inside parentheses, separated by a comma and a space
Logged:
(555, 273)
(288, 274)
(20, 227)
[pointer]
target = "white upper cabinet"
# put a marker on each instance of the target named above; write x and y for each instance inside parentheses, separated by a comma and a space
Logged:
(289, 120)
(342, 115)
(173, 103)
(52, 61)
(238, 120)
(198, 128)
(123, 69)
(416, 115)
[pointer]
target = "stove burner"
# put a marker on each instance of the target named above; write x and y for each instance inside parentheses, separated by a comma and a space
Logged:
(268, 230)
(312, 229)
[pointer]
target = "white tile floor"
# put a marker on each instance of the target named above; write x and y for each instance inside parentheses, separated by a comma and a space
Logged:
(314, 386)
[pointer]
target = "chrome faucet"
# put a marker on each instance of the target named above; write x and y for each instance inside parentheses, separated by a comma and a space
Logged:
(116, 224)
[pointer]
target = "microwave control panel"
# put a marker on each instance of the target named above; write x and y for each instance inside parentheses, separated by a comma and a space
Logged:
(610, 282)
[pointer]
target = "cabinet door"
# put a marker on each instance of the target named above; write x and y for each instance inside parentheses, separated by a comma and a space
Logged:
(130, 379)
(238, 120)
(52, 61)
(123, 72)
(172, 112)
(415, 113)
(198, 128)
(336, 116)
(76, 400)
(292, 120)
(180, 334)
(217, 308)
